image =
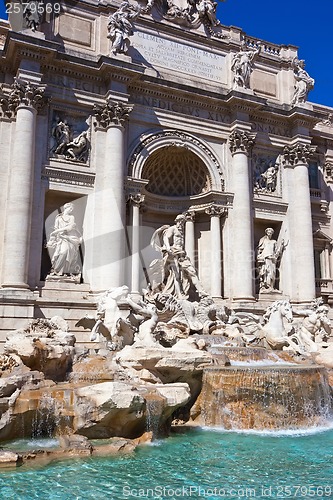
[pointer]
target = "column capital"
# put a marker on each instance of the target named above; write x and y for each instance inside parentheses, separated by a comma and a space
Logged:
(241, 141)
(23, 93)
(137, 199)
(297, 154)
(111, 114)
(189, 216)
(216, 211)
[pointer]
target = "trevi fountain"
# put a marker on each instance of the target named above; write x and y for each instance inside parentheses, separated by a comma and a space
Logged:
(166, 263)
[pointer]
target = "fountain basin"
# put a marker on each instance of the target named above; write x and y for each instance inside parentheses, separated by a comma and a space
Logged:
(265, 397)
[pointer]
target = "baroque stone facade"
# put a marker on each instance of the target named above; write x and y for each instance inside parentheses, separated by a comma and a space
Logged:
(117, 117)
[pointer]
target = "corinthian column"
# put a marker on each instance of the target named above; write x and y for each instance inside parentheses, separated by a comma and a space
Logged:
(137, 202)
(23, 101)
(296, 157)
(215, 213)
(110, 219)
(241, 143)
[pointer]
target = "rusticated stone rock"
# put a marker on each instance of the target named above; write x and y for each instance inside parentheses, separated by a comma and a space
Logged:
(93, 368)
(9, 459)
(75, 444)
(43, 347)
(325, 356)
(119, 409)
(108, 409)
(164, 365)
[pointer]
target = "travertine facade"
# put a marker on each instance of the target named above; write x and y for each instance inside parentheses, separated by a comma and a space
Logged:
(131, 114)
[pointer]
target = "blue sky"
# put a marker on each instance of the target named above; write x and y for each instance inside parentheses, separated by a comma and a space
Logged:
(307, 24)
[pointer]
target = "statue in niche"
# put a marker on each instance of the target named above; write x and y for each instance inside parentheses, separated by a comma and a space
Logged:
(76, 149)
(207, 9)
(65, 240)
(242, 65)
(268, 253)
(304, 82)
(120, 27)
(177, 273)
(267, 180)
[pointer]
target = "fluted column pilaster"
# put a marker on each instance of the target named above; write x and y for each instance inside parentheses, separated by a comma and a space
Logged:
(215, 212)
(297, 158)
(24, 102)
(190, 236)
(241, 143)
(112, 209)
(137, 201)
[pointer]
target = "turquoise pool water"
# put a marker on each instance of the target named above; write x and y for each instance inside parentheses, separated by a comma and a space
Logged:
(199, 464)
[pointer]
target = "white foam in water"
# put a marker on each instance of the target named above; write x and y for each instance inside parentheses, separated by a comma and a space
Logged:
(304, 431)
(262, 362)
(33, 443)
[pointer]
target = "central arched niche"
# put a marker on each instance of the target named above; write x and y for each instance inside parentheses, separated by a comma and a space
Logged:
(175, 171)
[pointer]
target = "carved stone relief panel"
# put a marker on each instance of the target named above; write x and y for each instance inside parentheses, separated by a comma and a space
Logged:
(69, 137)
(266, 173)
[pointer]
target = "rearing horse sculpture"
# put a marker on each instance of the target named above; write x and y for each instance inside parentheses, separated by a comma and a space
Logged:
(273, 332)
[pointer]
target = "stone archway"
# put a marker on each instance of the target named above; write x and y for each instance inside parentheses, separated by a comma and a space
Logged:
(188, 149)
(175, 172)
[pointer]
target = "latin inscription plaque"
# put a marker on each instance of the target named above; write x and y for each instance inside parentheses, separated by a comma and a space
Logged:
(158, 52)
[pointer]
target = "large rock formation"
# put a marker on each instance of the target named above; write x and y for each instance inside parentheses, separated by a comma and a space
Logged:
(45, 346)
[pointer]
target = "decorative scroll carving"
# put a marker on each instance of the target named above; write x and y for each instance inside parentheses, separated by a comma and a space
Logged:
(112, 113)
(241, 142)
(304, 82)
(120, 26)
(216, 211)
(242, 65)
(23, 93)
(137, 199)
(328, 169)
(189, 216)
(297, 154)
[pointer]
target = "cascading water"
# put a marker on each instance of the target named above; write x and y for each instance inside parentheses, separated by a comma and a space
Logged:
(154, 409)
(266, 397)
